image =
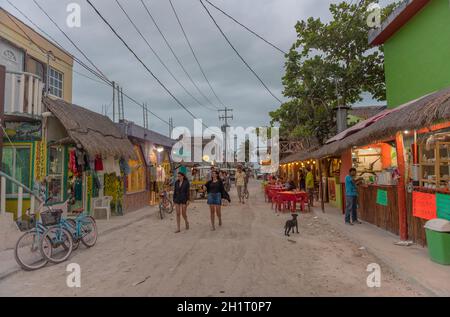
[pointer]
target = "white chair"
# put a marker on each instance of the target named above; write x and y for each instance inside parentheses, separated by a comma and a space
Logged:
(102, 205)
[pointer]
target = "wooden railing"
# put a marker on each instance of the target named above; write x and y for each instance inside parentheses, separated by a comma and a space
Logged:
(20, 195)
(23, 94)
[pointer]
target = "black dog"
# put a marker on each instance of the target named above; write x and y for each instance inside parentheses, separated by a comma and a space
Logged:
(291, 224)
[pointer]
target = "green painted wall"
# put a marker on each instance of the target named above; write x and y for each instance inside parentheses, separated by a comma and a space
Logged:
(417, 57)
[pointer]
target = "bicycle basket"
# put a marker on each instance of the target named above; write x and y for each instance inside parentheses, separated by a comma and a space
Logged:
(25, 224)
(51, 218)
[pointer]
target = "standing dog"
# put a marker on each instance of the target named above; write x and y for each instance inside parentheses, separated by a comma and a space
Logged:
(291, 224)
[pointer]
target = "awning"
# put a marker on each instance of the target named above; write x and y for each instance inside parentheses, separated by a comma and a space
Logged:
(96, 133)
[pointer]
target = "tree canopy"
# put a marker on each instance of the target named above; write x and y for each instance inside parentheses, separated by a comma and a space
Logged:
(330, 64)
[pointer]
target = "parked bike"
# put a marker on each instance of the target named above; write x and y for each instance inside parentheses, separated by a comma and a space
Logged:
(165, 204)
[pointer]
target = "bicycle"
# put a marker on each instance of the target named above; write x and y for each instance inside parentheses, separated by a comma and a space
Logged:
(81, 229)
(165, 204)
(27, 251)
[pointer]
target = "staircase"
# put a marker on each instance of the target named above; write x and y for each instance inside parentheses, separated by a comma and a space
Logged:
(9, 233)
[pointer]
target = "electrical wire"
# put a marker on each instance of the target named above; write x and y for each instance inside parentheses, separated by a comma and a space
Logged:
(140, 60)
(69, 39)
(170, 47)
(193, 53)
(158, 57)
(247, 28)
(238, 54)
(104, 82)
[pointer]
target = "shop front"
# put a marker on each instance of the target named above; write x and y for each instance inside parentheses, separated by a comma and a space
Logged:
(428, 194)
(84, 155)
(24, 159)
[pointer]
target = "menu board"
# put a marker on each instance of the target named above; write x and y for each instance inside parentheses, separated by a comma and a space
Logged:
(443, 206)
(424, 205)
(382, 198)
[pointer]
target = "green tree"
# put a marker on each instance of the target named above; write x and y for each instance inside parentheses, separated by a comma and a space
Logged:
(330, 64)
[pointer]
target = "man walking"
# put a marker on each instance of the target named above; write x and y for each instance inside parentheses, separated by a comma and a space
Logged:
(310, 186)
(351, 197)
(240, 183)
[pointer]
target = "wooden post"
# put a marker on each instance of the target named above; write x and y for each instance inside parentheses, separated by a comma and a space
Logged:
(322, 203)
(401, 192)
(2, 107)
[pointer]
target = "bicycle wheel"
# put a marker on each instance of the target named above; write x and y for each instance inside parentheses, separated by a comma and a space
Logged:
(89, 232)
(27, 251)
(73, 229)
(59, 242)
(168, 208)
(161, 210)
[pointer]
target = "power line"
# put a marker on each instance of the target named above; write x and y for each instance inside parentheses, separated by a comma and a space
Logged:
(247, 28)
(140, 60)
(56, 43)
(193, 52)
(105, 82)
(172, 50)
(239, 55)
(69, 39)
(157, 56)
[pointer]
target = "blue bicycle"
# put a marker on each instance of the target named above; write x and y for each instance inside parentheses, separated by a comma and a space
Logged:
(66, 235)
(28, 252)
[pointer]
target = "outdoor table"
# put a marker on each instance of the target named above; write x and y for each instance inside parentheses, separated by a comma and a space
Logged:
(292, 198)
(271, 191)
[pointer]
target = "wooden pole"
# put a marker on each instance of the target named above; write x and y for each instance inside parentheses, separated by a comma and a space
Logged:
(322, 203)
(114, 101)
(2, 108)
(401, 192)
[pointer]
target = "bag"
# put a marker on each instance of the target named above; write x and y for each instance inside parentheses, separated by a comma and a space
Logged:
(226, 196)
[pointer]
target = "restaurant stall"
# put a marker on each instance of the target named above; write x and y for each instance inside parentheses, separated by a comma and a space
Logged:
(402, 156)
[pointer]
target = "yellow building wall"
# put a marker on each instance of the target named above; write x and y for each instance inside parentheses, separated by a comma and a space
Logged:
(63, 61)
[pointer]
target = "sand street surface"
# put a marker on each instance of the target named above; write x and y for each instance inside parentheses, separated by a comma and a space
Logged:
(248, 256)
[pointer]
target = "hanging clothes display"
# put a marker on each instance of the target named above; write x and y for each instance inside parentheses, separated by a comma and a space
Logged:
(73, 162)
(124, 167)
(110, 166)
(160, 174)
(98, 163)
(80, 157)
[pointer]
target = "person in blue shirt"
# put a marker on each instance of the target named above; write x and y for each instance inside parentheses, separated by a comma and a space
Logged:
(351, 197)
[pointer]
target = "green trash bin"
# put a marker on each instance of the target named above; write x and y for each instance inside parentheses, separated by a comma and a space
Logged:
(438, 239)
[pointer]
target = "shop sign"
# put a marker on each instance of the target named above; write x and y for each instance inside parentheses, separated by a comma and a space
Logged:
(424, 205)
(23, 131)
(40, 160)
(443, 206)
(382, 197)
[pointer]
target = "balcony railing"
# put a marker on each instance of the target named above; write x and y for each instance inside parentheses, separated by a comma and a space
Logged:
(23, 94)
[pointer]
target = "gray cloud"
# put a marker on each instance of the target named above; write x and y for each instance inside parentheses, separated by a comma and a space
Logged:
(235, 85)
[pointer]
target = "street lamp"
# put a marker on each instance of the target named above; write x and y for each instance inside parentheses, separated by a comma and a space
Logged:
(160, 149)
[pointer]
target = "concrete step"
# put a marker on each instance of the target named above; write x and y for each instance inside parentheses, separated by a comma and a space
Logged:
(9, 233)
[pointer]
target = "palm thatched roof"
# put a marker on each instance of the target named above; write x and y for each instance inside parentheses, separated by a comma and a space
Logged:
(95, 132)
(297, 157)
(420, 113)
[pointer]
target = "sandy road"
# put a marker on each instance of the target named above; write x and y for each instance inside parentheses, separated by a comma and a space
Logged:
(248, 256)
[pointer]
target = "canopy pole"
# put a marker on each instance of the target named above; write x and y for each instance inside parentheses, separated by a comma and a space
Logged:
(322, 203)
(401, 192)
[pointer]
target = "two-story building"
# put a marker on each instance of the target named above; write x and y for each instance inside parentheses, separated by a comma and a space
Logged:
(34, 67)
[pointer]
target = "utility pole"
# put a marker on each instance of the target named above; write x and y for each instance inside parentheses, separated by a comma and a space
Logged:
(114, 101)
(122, 109)
(341, 113)
(170, 126)
(224, 116)
(145, 115)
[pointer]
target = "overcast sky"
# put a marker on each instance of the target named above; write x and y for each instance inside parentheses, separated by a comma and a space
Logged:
(233, 82)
